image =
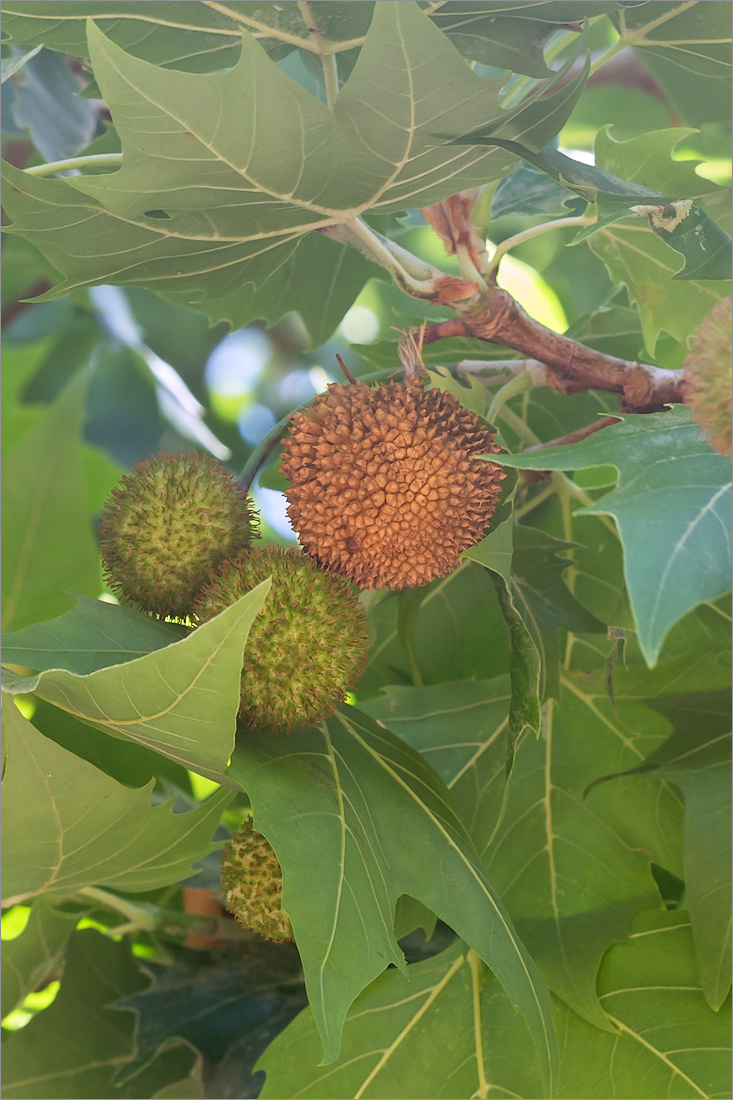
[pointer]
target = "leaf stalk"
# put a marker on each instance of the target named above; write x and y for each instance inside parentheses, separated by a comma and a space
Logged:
(96, 160)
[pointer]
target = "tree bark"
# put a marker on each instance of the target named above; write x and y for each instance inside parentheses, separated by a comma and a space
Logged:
(571, 366)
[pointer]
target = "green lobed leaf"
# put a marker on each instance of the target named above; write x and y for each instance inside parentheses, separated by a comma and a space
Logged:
(460, 728)
(319, 279)
(683, 225)
(494, 552)
(506, 35)
(449, 1031)
(671, 507)
(46, 106)
(694, 104)
(637, 259)
(36, 954)
(51, 796)
(432, 1032)
(74, 1048)
(93, 635)
(191, 36)
(235, 211)
(547, 603)
(126, 761)
(697, 759)
(635, 255)
(460, 632)
(668, 1042)
(572, 871)
(180, 701)
(198, 38)
(357, 819)
(694, 36)
(49, 545)
(649, 160)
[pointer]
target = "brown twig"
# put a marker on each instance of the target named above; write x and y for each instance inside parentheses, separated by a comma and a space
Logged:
(571, 366)
(576, 436)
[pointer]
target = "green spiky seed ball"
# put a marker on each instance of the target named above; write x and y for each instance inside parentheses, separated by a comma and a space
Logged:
(168, 523)
(307, 646)
(252, 881)
(709, 377)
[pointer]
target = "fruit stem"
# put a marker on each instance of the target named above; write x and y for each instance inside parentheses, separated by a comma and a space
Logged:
(344, 368)
(262, 452)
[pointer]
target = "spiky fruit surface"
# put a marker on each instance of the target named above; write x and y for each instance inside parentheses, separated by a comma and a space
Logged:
(385, 486)
(709, 377)
(172, 520)
(252, 881)
(307, 646)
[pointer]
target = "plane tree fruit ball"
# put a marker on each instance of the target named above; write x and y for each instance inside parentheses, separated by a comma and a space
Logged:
(168, 523)
(386, 486)
(306, 647)
(709, 377)
(252, 883)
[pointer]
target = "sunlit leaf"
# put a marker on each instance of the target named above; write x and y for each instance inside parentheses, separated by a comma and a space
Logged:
(180, 701)
(93, 635)
(34, 956)
(50, 797)
(637, 256)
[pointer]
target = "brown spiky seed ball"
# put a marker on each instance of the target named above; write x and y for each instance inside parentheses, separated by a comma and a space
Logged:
(306, 647)
(385, 486)
(168, 523)
(709, 377)
(252, 881)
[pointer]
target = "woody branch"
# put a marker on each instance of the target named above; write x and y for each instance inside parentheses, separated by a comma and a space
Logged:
(570, 366)
(487, 312)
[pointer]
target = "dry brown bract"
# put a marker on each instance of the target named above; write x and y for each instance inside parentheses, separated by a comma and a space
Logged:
(385, 484)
